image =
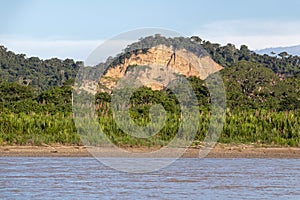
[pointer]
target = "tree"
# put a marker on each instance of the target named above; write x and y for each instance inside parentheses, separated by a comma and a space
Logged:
(283, 54)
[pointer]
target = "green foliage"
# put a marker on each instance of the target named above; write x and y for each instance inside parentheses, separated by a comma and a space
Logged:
(200, 90)
(10, 92)
(36, 129)
(252, 126)
(227, 55)
(37, 73)
(262, 126)
(57, 99)
(250, 86)
(23, 99)
(263, 104)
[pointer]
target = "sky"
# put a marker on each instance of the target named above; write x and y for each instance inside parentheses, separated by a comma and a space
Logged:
(73, 28)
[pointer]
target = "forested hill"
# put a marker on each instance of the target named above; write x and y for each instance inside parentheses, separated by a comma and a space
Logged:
(262, 93)
(39, 74)
(42, 74)
(283, 63)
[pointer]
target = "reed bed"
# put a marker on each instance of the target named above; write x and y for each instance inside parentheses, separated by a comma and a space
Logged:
(247, 126)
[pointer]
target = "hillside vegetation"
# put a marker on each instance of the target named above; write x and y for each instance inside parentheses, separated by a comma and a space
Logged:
(263, 104)
(37, 73)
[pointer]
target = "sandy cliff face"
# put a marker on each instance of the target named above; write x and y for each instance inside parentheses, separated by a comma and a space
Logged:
(158, 67)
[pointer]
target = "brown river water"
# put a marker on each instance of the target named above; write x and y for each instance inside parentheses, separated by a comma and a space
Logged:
(186, 178)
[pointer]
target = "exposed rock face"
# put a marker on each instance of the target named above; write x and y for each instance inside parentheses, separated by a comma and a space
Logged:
(158, 66)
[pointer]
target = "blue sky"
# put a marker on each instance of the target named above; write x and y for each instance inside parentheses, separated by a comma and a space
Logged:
(73, 28)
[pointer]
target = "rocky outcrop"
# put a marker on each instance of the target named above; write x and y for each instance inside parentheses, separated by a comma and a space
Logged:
(158, 66)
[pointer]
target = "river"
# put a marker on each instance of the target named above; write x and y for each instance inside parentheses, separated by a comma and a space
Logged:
(186, 178)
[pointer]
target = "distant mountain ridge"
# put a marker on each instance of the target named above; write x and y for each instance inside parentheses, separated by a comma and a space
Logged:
(292, 50)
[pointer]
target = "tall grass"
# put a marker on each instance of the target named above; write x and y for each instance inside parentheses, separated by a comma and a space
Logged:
(262, 126)
(251, 126)
(246, 126)
(37, 129)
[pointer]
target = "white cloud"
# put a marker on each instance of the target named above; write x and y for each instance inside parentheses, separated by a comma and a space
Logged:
(255, 34)
(76, 49)
(108, 48)
(90, 51)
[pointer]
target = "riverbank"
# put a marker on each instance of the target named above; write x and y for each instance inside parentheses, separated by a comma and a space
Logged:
(219, 151)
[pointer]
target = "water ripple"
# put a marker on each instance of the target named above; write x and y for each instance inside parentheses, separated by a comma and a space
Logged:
(86, 178)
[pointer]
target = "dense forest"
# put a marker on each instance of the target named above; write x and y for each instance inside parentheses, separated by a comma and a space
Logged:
(34, 72)
(263, 104)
